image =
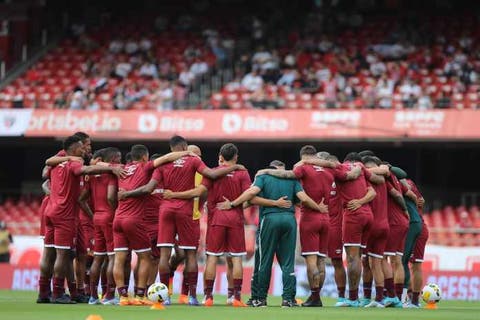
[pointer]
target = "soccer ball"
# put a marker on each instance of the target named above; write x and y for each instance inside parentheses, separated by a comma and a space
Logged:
(157, 292)
(431, 293)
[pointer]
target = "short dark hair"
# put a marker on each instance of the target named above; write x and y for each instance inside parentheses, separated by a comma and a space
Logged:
(276, 163)
(352, 156)
(110, 153)
(82, 135)
(177, 140)
(323, 155)
(138, 151)
(99, 154)
(155, 156)
(228, 151)
(332, 157)
(128, 157)
(366, 153)
(370, 159)
(308, 150)
(68, 142)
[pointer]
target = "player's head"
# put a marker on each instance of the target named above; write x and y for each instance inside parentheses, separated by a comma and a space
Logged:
(128, 158)
(178, 143)
(139, 152)
(352, 157)
(277, 164)
(195, 149)
(155, 156)
(87, 142)
(229, 152)
(323, 155)
(112, 155)
(371, 162)
(333, 158)
(307, 151)
(73, 146)
(365, 153)
(98, 155)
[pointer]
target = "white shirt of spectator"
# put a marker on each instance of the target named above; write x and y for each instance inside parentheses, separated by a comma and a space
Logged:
(323, 74)
(131, 47)
(123, 69)
(252, 82)
(186, 77)
(287, 78)
(148, 70)
(145, 44)
(199, 68)
(385, 93)
(166, 98)
(424, 102)
(116, 46)
(408, 89)
(78, 100)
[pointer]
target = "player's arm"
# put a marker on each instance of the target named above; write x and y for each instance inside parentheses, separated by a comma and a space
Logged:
(282, 174)
(214, 174)
(398, 198)
(46, 187)
(245, 196)
(355, 204)
(140, 191)
(99, 169)
(309, 202)
(317, 162)
(56, 160)
(170, 157)
(46, 172)
(82, 201)
(112, 191)
(188, 194)
(281, 202)
(354, 173)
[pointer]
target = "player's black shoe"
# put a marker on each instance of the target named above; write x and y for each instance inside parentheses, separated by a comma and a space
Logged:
(81, 298)
(44, 300)
(64, 299)
(250, 302)
(313, 302)
(289, 304)
(259, 303)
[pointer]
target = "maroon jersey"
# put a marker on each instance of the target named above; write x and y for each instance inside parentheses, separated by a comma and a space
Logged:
(230, 186)
(395, 212)
(65, 180)
(379, 204)
(152, 205)
(138, 174)
(179, 176)
(352, 189)
(317, 183)
(98, 186)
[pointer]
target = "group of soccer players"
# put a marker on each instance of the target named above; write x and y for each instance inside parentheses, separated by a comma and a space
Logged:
(151, 206)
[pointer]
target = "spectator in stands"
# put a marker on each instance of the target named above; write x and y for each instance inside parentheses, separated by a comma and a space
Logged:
(252, 81)
(260, 58)
(186, 77)
(131, 46)
(77, 100)
(290, 60)
(165, 96)
(5, 240)
(260, 100)
(465, 222)
(148, 70)
(410, 93)
(443, 101)
(92, 104)
(384, 93)
(310, 84)
(60, 101)
(199, 67)
(330, 91)
(323, 73)
(145, 44)
(123, 68)
(425, 102)
(288, 77)
(116, 46)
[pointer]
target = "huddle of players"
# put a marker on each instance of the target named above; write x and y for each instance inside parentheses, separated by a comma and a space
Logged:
(363, 198)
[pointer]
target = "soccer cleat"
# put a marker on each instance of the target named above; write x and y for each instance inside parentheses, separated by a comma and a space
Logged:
(167, 302)
(411, 305)
(157, 306)
(93, 301)
(352, 303)
(259, 303)
(192, 301)
(289, 303)
(341, 302)
(208, 302)
(124, 301)
(81, 298)
(44, 300)
(143, 301)
(374, 304)
(364, 302)
(182, 299)
(111, 302)
(64, 299)
(390, 302)
(312, 302)
(238, 304)
(230, 300)
(250, 302)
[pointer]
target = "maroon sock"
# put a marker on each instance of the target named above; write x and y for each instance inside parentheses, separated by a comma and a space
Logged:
(399, 290)
(72, 288)
(390, 287)
(81, 291)
(208, 288)
(44, 287)
(58, 287)
(230, 292)
(341, 292)
(110, 293)
(94, 290)
(237, 289)
(139, 292)
(192, 283)
(185, 285)
(367, 290)
(378, 293)
(353, 294)
(123, 291)
(165, 277)
(315, 292)
(415, 296)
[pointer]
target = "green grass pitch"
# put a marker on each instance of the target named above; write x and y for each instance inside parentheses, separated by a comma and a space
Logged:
(17, 305)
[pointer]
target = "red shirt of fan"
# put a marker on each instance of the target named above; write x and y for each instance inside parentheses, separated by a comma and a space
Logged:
(397, 215)
(352, 189)
(317, 182)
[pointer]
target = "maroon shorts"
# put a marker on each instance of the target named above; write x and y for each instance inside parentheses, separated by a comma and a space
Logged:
(396, 240)
(42, 209)
(314, 234)
(174, 222)
(355, 228)
(129, 234)
(85, 235)
(103, 240)
(377, 240)
(223, 239)
(419, 249)
(152, 231)
(335, 244)
(59, 233)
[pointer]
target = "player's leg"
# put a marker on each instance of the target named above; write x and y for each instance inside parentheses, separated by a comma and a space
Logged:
(375, 250)
(378, 276)
(80, 264)
(165, 242)
(398, 270)
(188, 239)
(230, 289)
(215, 248)
(286, 257)
(88, 266)
(95, 272)
(413, 233)
(144, 266)
(109, 289)
(268, 236)
(367, 278)
(46, 264)
(209, 278)
(63, 258)
(119, 274)
(254, 279)
(177, 258)
(417, 260)
(235, 245)
(309, 241)
(352, 237)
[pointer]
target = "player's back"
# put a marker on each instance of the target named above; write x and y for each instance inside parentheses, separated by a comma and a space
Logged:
(230, 186)
(396, 213)
(316, 181)
(351, 189)
(99, 192)
(65, 185)
(379, 204)
(138, 174)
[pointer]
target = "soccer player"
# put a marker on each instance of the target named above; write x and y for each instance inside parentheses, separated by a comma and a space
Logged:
(226, 234)
(175, 216)
(62, 212)
(128, 224)
(278, 231)
(102, 190)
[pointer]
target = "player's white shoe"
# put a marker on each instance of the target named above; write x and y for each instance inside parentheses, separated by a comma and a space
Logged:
(375, 304)
(341, 302)
(230, 300)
